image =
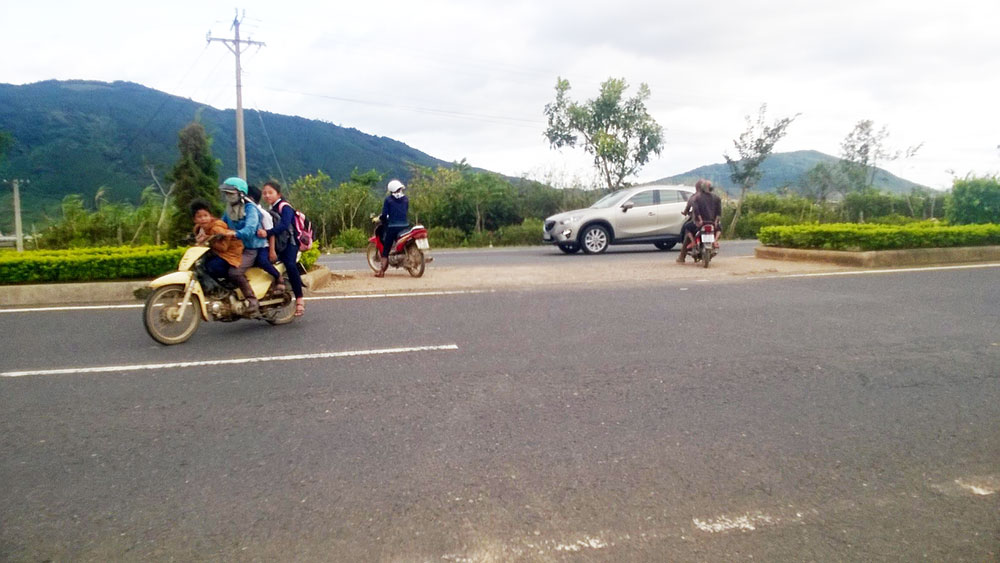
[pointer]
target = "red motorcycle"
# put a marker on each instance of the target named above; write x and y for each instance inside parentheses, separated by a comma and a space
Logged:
(706, 244)
(409, 250)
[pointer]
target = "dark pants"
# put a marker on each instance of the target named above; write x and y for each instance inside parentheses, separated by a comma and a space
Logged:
(238, 273)
(263, 261)
(388, 237)
(288, 257)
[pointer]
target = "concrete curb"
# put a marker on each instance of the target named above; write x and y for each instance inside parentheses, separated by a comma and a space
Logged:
(108, 292)
(884, 258)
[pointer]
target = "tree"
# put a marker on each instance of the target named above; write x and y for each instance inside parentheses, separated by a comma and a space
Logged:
(975, 200)
(752, 148)
(353, 198)
(618, 132)
(862, 150)
(6, 143)
(194, 176)
(312, 194)
(820, 182)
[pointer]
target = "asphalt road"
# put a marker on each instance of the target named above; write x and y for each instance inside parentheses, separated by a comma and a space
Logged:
(849, 418)
(531, 255)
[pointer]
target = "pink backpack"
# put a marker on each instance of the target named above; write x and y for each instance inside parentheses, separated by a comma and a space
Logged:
(303, 228)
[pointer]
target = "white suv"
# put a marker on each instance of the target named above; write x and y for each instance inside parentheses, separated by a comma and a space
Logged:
(644, 214)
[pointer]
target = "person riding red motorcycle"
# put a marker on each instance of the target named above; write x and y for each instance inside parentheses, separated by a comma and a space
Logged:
(393, 219)
(703, 207)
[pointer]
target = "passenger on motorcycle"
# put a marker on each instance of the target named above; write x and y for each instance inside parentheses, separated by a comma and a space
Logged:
(241, 215)
(227, 250)
(703, 207)
(393, 218)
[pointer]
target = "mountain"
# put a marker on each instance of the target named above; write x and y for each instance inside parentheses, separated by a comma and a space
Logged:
(77, 136)
(780, 170)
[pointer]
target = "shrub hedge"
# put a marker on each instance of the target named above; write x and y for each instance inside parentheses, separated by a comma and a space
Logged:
(98, 264)
(870, 236)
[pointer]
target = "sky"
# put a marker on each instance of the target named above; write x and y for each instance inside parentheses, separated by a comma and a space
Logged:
(470, 79)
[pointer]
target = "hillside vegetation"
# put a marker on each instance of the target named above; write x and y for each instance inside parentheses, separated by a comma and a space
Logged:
(74, 137)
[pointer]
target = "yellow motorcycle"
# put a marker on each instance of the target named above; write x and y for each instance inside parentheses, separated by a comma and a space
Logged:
(181, 299)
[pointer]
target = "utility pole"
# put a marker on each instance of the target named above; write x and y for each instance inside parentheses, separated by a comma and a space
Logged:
(18, 233)
(237, 46)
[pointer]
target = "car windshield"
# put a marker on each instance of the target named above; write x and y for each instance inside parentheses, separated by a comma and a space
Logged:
(609, 200)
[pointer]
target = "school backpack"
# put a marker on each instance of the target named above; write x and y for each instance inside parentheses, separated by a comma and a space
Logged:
(303, 228)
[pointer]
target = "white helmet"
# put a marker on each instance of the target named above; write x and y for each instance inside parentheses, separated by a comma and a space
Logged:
(394, 186)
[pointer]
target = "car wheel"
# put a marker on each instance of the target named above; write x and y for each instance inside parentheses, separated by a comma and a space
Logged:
(664, 245)
(594, 239)
(569, 247)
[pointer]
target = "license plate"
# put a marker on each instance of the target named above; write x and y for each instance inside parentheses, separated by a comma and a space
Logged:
(423, 244)
(708, 238)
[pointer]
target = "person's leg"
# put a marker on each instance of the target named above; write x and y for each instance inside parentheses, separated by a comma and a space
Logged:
(263, 261)
(238, 275)
(288, 258)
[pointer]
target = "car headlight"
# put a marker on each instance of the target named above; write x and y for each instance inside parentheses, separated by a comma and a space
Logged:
(569, 220)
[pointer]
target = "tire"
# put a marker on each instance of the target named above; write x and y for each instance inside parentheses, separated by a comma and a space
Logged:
(284, 313)
(158, 314)
(414, 260)
(569, 247)
(706, 255)
(664, 245)
(373, 257)
(594, 239)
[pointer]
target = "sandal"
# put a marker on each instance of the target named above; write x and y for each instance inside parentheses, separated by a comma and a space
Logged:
(300, 308)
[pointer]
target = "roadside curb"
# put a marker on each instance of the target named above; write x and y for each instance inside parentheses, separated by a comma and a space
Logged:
(108, 292)
(883, 258)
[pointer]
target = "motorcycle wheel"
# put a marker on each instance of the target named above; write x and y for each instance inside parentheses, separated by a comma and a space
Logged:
(373, 257)
(706, 256)
(284, 313)
(414, 261)
(159, 315)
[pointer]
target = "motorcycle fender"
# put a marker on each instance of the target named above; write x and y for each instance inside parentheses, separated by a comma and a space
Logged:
(182, 278)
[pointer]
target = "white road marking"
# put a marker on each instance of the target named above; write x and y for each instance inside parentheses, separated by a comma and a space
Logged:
(885, 271)
(315, 298)
(401, 294)
(251, 360)
(981, 488)
(745, 522)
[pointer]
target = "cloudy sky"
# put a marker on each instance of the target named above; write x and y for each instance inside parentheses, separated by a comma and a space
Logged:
(469, 79)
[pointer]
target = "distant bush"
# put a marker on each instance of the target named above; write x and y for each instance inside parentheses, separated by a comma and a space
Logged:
(527, 233)
(309, 258)
(859, 237)
(351, 239)
(445, 237)
(974, 201)
(476, 240)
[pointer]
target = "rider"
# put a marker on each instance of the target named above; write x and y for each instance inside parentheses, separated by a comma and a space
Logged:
(242, 216)
(393, 219)
(227, 250)
(703, 207)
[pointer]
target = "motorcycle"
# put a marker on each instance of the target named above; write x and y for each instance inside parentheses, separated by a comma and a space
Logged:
(706, 245)
(409, 251)
(182, 299)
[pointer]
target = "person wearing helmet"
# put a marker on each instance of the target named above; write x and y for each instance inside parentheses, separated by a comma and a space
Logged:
(241, 215)
(393, 217)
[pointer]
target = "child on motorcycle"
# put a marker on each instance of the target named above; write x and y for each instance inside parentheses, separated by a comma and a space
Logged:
(227, 250)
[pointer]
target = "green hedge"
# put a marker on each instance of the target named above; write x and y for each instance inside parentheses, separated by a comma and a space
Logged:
(98, 264)
(869, 236)
(88, 264)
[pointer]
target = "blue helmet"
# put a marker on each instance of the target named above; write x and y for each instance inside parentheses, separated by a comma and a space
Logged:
(236, 183)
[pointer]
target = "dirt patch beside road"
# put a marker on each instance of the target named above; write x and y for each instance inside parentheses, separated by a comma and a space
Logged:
(641, 271)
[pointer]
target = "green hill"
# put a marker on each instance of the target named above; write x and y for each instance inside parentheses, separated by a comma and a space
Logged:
(77, 136)
(781, 170)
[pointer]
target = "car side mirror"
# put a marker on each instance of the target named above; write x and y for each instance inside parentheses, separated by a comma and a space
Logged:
(627, 205)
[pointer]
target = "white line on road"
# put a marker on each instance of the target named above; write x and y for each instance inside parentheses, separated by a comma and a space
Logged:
(886, 271)
(320, 298)
(253, 360)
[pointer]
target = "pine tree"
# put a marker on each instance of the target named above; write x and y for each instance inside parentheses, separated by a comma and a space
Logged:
(195, 176)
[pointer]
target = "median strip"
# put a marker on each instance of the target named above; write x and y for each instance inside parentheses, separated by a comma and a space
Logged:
(234, 361)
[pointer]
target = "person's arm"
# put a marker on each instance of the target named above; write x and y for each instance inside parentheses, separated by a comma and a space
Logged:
(250, 224)
(287, 219)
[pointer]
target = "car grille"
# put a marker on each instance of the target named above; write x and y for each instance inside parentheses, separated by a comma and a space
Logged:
(549, 225)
